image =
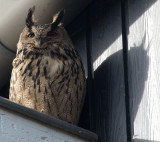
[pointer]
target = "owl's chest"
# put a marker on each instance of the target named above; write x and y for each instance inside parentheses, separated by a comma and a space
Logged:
(37, 71)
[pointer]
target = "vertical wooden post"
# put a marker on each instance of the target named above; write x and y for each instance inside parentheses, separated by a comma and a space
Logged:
(90, 78)
(125, 31)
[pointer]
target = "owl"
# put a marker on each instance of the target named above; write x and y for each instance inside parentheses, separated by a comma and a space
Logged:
(48, 75)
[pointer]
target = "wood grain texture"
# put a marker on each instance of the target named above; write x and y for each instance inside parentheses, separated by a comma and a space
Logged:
(108, 98)
(16, 128)
(22, 118)
(144, 72)
(108, 105)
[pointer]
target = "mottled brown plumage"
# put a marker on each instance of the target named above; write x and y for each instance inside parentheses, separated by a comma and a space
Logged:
(48, 74)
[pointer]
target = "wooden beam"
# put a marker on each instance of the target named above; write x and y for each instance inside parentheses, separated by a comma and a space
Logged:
(125, 31)
(48, 120)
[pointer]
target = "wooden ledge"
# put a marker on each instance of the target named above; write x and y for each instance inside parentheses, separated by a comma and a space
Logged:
(48, 120)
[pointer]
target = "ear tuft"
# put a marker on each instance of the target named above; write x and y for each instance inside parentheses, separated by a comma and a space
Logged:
(57, 18)
(30, 17)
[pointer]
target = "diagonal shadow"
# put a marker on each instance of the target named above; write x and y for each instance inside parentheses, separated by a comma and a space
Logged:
(105, 19)
(106, 22)
(109, 93)
(108, 96)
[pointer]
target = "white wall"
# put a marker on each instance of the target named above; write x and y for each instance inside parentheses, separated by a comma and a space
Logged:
(144, 69)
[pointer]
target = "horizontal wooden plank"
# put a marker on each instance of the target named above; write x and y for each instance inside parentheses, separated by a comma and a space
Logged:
(50, 121)
(15, 127)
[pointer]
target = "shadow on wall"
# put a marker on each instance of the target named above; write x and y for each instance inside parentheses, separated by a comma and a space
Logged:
(109, 102)
(109, 92)
(138, 65)
(108, 98)
(106, 21)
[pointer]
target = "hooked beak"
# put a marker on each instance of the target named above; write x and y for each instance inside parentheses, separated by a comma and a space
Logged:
(40, 41)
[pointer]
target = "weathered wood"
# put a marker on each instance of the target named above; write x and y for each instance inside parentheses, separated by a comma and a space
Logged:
(125, 31)
(109, 99)
(144, 82)
(18, 123)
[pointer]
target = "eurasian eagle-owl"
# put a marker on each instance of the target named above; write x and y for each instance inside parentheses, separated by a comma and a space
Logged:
(47, 73)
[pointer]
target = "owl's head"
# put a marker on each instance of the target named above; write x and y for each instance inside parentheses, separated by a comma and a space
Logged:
(39, 36)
